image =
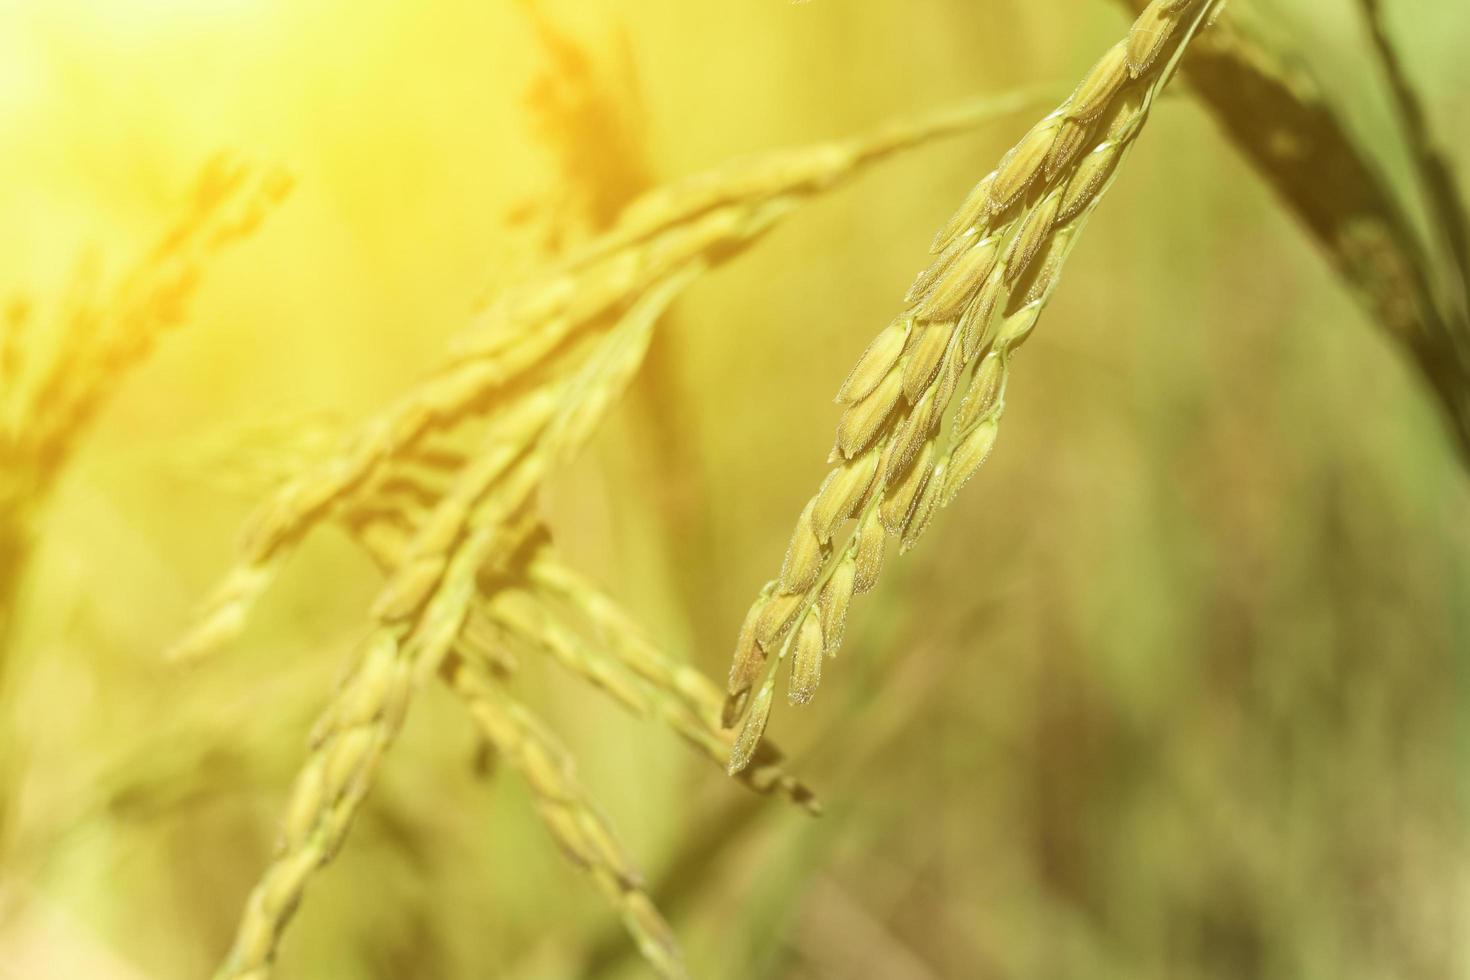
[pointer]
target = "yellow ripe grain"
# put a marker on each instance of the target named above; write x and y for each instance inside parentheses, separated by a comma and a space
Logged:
(869, 554)
(971, 212)
(753, 726)
(985, 391)
(898, 502)
(833, 604)
(953, 289)
(842, 493)
(875, 363)
(910, 435)
(923, 509)
(775, 618)
(804, 554)
(967, 457)
(924, 357)
(1022, 164)
(806, 660)
(861, 422)
(1102, 83)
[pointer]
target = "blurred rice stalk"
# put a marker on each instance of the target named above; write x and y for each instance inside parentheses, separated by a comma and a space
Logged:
(1282, 121)
(54, 379)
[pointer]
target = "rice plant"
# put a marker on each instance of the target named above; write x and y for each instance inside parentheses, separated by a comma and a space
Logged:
(1172, 688)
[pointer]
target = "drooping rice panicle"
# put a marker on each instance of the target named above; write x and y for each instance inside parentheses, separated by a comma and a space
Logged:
(996, 263)
(415, 622)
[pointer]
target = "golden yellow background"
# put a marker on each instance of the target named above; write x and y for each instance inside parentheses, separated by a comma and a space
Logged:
(1178, 688)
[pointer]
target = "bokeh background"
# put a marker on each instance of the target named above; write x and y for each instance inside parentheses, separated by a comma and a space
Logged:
(1178, 688)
